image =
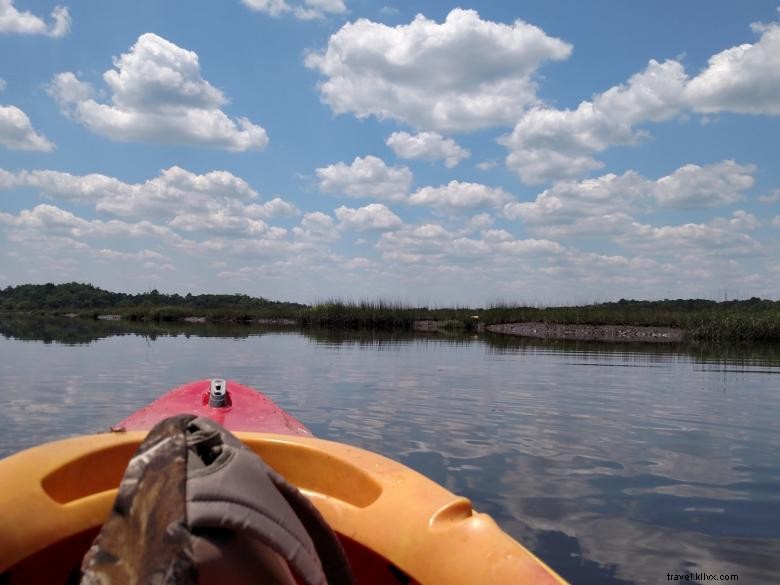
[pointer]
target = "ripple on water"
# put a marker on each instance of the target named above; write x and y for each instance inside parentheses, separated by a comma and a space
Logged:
(615, 464)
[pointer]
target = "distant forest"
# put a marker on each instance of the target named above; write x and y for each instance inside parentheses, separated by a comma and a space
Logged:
(79, 297)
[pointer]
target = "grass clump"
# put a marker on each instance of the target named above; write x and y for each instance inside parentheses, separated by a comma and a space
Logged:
(362, 314)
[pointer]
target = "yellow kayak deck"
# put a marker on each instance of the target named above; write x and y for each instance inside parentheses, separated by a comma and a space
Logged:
(54, 498)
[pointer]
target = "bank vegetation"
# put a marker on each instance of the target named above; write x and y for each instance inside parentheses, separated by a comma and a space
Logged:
(751, 319)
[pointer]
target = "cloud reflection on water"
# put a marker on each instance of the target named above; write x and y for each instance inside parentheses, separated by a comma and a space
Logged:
(611, 474)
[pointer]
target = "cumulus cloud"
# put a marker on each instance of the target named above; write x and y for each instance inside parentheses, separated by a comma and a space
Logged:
(219, 222)
(427, 146)
(458, 195)
(366, 177)
(375, 216)
(13, 20)
(157, 95)
(17, 132)
(271, 7)
(309, 10)
(431, 244)
(316, 227)
(53, 220)
(52, 232)
(744, 79)
(720, 237)
(770, 197)
(694, 187)
(48, 232)
(651, 262)
(567, 201)
(549, 144)
(276, 207)
(422, 244)
(480, 221)
(463, 74)
(592, 205)
(217, 201)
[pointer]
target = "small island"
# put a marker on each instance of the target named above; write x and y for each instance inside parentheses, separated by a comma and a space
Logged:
(658, 321)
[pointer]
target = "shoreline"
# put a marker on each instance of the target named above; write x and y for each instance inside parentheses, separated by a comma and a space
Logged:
(581, 332)
(531, 329)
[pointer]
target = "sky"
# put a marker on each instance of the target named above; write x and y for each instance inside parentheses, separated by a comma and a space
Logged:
(541, 152)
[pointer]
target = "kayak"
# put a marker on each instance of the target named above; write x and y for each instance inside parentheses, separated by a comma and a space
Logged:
(396, 525)
(240, 409)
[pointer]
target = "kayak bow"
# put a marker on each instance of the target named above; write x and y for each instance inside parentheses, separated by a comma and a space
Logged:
(396, 525)
(235, 406)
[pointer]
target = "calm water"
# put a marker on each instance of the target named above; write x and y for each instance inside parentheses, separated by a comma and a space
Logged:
(614, 464)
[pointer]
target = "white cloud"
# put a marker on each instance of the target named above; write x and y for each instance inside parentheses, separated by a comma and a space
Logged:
(428, 258)
(432, 244)
(548, 144)
(17, 132)
(157, 95)
(458, 195)
(316, 227)
(271, 7)
(276, 207)
(486, 165)
(220, 222)
(427, 146)
(740, 221)
(529, 247)
(438, 256)
(422, 244)
(366, 177)
(54, 239)
(54, 221)
(173, 191)
(463, 74)
(212, 202)
(309, 10)
(2, 84)
(776, 221)
(315, 9)
(591, 205)
(13, 20)
(743, 79)
(480, 221)
(720, 237)
(694, 187)
(770, 197)
(568, 200)
(375, 216)
(152, 259)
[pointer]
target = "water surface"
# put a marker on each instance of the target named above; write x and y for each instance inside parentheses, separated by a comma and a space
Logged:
(615, 464)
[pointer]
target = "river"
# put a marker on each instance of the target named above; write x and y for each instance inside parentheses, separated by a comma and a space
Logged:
(614, 463)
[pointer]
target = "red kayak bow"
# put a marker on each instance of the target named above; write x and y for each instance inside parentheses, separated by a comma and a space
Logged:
(233, 405)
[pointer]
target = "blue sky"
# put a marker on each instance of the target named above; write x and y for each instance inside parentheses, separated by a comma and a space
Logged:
(463, 153)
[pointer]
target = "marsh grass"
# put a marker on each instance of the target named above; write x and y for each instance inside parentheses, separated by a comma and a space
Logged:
(350, 313)
(746, 320)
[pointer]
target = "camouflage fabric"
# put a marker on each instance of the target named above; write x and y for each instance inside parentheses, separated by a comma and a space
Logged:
(196, 506)
(144, 539)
